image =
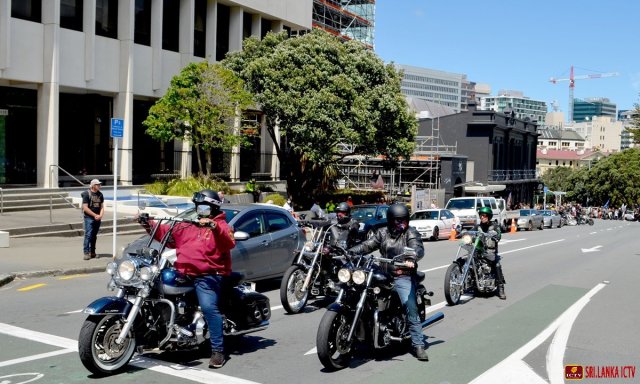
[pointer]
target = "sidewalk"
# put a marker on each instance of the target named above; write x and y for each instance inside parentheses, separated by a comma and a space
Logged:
(42, 256)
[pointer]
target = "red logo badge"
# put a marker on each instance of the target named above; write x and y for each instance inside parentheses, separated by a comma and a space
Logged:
(573, 372)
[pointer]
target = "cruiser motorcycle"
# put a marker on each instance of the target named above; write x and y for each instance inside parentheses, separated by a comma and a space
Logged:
(471, 270)
(368, 311)
(314, 272)
(155, 307)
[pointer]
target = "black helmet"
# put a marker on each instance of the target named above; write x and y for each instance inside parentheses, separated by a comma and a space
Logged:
(207, 202)
(397, 212)
(485, 211)
(346, 209)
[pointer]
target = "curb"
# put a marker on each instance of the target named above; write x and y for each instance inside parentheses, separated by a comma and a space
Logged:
(6, 279)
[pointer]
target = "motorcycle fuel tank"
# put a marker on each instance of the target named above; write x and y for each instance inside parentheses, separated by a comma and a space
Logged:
(175, 283)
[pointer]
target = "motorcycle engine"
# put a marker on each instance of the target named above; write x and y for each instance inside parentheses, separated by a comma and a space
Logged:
(486, 277)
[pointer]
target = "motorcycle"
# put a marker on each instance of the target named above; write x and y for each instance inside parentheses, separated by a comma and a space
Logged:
(569, 219)
(314, 272)
(583, 219)
(368, 311)
(155, 307)
(471, 270)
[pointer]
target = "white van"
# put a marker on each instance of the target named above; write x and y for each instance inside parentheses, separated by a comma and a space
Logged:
(466, 209)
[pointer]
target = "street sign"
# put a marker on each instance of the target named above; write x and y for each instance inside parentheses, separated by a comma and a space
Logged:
(117, 128)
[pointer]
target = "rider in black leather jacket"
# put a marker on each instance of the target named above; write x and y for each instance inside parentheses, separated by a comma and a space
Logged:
(345, 232)
(487, 226)
(391, 241)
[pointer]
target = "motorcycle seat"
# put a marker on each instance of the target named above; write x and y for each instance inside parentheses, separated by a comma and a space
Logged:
(420, 276)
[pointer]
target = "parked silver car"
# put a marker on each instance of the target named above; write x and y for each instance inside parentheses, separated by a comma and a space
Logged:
(274, 240)
(551, 218)
(530, 219)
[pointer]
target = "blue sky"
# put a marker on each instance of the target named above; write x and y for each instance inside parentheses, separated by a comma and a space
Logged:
(519, 45)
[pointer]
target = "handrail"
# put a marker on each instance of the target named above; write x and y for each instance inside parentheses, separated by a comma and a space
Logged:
(156, 197)
(51, 204)
(63, 170)
(1, 202)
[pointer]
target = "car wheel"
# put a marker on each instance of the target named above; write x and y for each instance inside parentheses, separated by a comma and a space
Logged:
(530, 226)
(436, 234)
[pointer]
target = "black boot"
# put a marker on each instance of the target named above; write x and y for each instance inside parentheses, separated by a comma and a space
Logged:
(420, 353)
(501, 293)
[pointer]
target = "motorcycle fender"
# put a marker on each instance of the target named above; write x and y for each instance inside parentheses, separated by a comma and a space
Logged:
(111, 305)
(338, 307)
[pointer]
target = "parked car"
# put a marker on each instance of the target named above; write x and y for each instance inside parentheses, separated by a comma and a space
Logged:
(274, 240)
(433, 224)
(370, 217)
(466, 209)
(530, 219)
(551, 218)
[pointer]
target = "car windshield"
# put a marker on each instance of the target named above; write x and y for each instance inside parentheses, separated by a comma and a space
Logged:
(191, 214)
(425, 215)
(525, 212)
(363, 213)
(461, 204)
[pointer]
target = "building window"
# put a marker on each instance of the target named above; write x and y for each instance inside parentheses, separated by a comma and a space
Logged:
(222, 32)
(200, 28)
(71, 14)
(171, 25)
(142, 34)
(30, 10)
(107, 18)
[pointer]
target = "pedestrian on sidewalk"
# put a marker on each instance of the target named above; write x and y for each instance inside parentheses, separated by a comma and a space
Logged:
(93, 211)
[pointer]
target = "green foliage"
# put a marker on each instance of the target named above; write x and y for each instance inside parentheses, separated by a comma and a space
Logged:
(317, 92)
(158, 187)
(275, 199)
(186, 187)
(200, 107)
(634, 127)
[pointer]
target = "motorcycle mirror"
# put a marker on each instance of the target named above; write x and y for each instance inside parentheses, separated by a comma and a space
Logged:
(142, 204)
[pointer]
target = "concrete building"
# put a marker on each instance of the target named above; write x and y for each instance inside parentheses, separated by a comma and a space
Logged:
(603, 133)
(68, 67)
(626, 138)
(551, 158)
(560, 139)
(524, 108)
(450, 89)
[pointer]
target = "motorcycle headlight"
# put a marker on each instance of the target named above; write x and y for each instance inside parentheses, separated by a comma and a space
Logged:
(126, 270)
(111, 268)
(146, 273)
(308, 246)
(359, 277)
(344, 275)
(466, 239)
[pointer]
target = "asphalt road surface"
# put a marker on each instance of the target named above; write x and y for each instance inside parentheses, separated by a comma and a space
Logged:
(570, 310)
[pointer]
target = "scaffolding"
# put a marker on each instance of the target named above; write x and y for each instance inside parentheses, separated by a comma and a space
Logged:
(347, 19)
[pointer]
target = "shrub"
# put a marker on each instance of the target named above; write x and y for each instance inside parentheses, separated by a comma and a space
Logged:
(275, 199)
(158, 187)
(186, 187)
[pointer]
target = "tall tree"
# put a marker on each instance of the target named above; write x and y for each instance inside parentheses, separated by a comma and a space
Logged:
(616, 178)
(634, 127)
(201, 106)
(318, 92)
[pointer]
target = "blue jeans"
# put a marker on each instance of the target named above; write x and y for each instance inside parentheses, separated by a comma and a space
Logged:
(406, 289)
(91, 228)
(208, 290)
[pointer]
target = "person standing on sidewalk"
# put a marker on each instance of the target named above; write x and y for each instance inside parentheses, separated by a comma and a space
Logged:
(93, 211)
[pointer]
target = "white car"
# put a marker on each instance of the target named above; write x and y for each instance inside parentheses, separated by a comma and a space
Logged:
(433, 224)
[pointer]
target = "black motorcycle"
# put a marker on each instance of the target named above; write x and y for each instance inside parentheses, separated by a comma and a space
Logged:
(471, 270)
(155, 307)
(368, 311)
(314, 272)
(584, 219)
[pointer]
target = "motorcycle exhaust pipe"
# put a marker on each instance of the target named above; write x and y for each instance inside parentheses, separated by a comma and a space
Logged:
(433, 320)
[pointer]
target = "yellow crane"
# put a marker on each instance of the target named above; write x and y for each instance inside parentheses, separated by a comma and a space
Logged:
(572, 83)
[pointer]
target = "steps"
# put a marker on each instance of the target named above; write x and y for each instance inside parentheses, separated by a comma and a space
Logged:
(125, 226)
(31, 200)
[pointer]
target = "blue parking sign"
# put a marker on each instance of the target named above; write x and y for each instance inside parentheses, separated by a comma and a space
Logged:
(117, 128)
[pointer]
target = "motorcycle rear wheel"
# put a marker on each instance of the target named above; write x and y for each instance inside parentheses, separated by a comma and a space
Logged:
(334, 351)
(590, 221)
(291, 296)
(97, 346)
(453, 287)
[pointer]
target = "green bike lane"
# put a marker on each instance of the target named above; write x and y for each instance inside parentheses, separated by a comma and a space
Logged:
(467, 356)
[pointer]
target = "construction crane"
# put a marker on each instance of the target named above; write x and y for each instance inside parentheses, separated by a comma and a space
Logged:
(571, 79)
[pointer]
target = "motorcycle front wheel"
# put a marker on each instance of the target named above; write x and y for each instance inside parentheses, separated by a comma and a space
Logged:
(590, 221)
(334, 351)
(453, 286)
(291, 296)
(97, 345)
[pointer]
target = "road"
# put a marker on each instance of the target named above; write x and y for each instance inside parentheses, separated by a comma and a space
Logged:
(569, 302)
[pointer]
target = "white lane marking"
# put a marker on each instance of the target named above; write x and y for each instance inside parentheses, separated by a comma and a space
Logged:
(35, 357)
(177, 370)
(592, 249)
(593, 233)
(312, 351)
(276, 307)
(76, 311)
(511, 241)
(555, 352)
(518, 372)
(513, 363)
(531, 246)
